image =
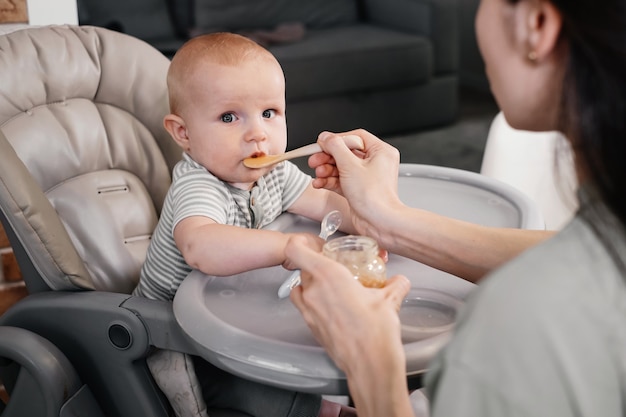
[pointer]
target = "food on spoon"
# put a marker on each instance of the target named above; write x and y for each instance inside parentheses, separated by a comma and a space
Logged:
(353, 142)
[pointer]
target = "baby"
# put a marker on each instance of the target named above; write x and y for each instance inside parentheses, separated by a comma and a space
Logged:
(227, 103)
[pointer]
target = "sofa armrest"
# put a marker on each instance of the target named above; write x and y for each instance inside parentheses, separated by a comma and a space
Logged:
(436, 19)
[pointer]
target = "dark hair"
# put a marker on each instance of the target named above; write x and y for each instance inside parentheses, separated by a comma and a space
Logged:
(593, 108)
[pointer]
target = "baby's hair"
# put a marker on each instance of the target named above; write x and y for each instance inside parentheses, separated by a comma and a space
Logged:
(222, 48)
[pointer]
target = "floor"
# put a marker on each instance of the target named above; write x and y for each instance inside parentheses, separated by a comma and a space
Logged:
(459, 145)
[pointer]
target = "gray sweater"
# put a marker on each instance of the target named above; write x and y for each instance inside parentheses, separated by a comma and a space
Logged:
(545, 335)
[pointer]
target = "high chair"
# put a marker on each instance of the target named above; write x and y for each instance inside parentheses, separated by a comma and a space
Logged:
(84, 167)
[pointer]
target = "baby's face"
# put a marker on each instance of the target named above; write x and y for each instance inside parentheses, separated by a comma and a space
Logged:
(236, 112)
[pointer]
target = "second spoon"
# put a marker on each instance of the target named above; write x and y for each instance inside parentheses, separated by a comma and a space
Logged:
(330, 224)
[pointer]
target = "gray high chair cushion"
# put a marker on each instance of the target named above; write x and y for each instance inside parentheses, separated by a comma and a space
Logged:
(74, 119)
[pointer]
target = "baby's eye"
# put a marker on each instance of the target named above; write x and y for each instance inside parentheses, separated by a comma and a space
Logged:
(269, 113)
(228, 117)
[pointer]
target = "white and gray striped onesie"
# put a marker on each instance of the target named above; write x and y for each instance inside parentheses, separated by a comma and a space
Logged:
(197, 192)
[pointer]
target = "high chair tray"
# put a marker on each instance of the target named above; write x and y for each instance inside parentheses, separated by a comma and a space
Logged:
(239, 323)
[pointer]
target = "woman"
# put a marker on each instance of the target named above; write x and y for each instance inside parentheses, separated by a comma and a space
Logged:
(543, 334)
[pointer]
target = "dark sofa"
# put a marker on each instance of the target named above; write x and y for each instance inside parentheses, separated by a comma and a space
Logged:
(389, 66)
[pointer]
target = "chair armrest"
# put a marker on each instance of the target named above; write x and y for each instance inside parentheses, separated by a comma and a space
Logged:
(162, 327)
(435, 19)
(105, 342)
(43, 382)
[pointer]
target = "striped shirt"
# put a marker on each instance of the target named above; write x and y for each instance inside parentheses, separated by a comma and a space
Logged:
(197, 192)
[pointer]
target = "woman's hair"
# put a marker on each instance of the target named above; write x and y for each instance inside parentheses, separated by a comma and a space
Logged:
(593, 106)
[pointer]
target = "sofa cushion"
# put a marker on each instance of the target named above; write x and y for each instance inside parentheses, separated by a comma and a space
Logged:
(352, 58)
(436, 19)
(236, 15)
(144, 19)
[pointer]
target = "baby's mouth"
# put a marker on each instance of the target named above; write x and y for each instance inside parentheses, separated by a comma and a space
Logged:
(257, 154)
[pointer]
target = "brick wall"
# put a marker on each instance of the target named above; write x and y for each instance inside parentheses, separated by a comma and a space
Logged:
(12, 287)
(13, 11)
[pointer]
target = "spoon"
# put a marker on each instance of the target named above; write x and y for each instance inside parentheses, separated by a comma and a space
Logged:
(353, 142)
(330, 224)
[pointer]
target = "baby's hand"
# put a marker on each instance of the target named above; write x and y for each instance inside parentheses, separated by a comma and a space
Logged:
(384, 255)
(313, 241)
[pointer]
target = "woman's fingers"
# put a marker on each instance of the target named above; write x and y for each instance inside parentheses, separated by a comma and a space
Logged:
(396, 288)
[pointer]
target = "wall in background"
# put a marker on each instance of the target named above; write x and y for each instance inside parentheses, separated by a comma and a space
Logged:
(17, 14)
(52, 12)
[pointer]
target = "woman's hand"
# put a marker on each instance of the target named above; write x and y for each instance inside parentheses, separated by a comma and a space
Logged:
(359, 327)
(368, 178)
(349, 320)
(313, 241)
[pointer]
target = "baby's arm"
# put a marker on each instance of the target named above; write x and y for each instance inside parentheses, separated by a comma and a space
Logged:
(218, 249)
(314, 203)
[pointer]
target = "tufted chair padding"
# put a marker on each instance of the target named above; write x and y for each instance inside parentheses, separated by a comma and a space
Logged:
(86, 161)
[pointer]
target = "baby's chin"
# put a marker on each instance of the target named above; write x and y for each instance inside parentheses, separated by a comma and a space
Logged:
(247, 181)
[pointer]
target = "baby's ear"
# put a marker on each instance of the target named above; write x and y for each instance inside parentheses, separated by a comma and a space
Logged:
(175, 125)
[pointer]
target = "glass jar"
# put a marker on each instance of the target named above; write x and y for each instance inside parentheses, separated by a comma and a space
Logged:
(360, 255)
